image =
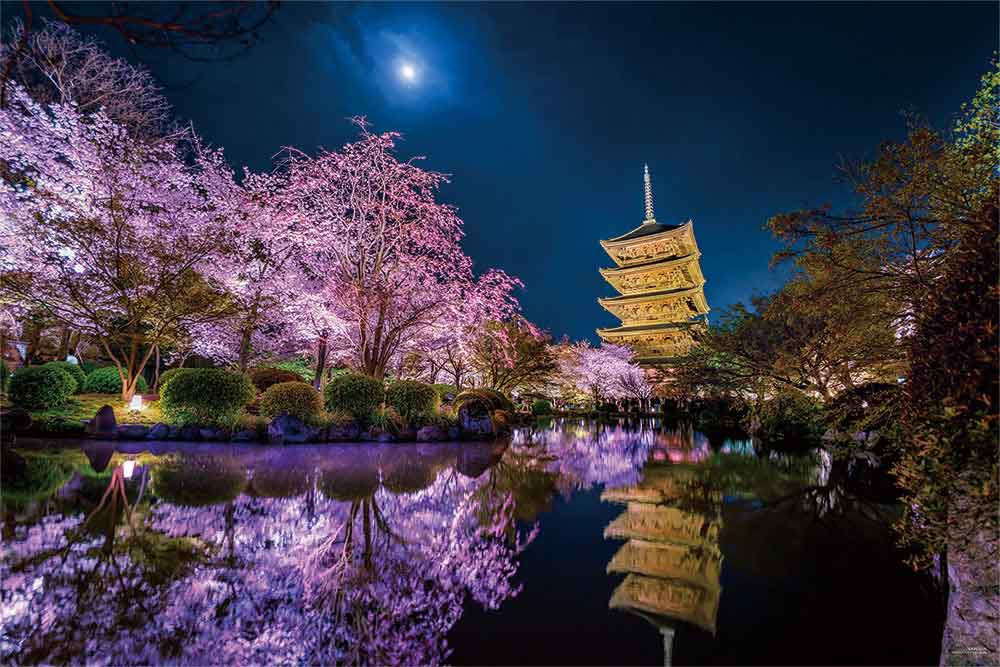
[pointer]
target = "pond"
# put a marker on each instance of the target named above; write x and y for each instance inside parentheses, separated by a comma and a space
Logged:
(571, 543)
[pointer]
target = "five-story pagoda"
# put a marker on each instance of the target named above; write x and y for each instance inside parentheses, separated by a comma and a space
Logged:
(660, 285)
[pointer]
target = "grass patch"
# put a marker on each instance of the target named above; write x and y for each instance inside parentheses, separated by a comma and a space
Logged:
(85, 406)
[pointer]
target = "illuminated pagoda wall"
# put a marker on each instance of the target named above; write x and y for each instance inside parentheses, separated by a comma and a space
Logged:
(660, 286)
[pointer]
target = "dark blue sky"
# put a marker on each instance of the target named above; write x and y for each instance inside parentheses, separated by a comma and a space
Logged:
(544, 114)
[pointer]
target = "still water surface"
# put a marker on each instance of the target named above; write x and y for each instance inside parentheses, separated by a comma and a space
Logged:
(573, 543)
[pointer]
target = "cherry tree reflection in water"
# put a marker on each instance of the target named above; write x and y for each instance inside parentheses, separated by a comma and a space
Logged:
(360, 555)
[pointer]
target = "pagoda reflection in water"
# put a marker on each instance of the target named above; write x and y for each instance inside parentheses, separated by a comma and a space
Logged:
(671, 557)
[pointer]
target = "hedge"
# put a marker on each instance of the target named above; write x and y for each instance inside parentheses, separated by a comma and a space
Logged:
(413, 400)
(107, 381)
(206, 397)
(359, 395)
(169, 374)
(295, 398)
(265, 377)
(73, 370)
(40, 387)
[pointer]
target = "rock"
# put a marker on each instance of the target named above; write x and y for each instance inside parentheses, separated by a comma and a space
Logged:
(132, 431)
(211, 434)
(174, 433)
(103, 425)
(158, 432)
(431, 433)
(454, 432)
(189, 434)
(385, 437)
(245, 435)
(343, 432)
(406, 435)
(475, 420)
(286, 429)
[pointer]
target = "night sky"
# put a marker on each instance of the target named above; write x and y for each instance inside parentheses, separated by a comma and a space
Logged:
(544, 115)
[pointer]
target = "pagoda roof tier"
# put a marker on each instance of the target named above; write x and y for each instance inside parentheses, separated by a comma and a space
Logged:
(652, 241)
(668, 597)
(657, 276)
(658, 523)
(670, 339)
(653, 307)
(696, 566)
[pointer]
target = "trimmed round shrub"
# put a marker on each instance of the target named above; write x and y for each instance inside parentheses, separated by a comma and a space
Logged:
(489, 398)
(789, 422)
(106, 381)
(359, 395)
(74, 371)
(169, 374)
(541, 407)
(412, 400)
(40, 387)
(206, 397)
(295, 398)
(266, 377)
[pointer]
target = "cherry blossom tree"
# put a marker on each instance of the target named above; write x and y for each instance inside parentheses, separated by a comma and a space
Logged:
(602, 373)
(109, 234)
(57, 65)
(512, 354)
(390, 266)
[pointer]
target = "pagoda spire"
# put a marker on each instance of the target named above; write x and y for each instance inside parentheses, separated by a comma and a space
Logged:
(648, 185)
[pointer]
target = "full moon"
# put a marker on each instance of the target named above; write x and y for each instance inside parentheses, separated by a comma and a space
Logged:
(408, 72)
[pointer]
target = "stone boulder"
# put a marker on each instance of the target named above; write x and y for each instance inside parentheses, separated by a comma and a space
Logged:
(189, 434)
(158, 432)
(454, 432)
(384, 436)
(246, 435)
(407, 434)
(431, 433)
(103, 426)
(343, 432)
(285, 429)
(132, 431)
(212, 434)
(476, 421)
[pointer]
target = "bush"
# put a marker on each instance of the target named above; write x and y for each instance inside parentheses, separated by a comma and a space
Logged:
(446, 392)
(206, 397)
(791, 421)
(357, 394)
(264, 378)
(107, 381)
(168, 375)
(4, 376)
(414, 401)
(295, 398)
(490, 399)
(74, 371)
(387, 420)
(303, 367)
(40, 387)
(541, 407)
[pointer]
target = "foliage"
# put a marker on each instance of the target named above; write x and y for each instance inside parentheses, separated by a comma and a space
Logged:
(265, 377)
(948, 469)
(81, 407)
(40, 387)
(872, 409)
(597, 374)
(198, 481)
(74, 370)
(359, 395)
(169, 374)
(512, 354)
(489, 399)
(295, 398)
(789, 421)
(336, 418)
(110, 230)
(107, 380)
(254, 423)
(29, 476)
(414, 401)
(387, 420)
(445, 390)
(541, 407)
(206, 397)
(4, 376)
(301, 366)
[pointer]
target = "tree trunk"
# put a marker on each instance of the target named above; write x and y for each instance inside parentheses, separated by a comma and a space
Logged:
(320, 363)
(156, 371)
(972, 624)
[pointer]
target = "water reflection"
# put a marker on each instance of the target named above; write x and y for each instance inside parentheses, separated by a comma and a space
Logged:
(139, 553)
